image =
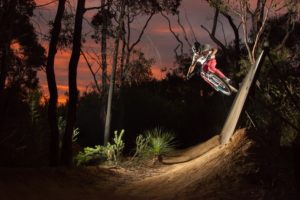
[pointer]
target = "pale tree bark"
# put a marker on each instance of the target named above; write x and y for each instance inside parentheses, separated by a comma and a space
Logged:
(113, 73)
(104, 87)
(259, 18)
(52, 87)
(66, 153)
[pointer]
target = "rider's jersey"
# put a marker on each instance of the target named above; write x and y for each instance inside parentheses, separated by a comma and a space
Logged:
(202, 59)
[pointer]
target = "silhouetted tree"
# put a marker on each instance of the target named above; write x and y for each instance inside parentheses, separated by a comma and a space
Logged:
(21, 56)
(52, 108)
(66, 153)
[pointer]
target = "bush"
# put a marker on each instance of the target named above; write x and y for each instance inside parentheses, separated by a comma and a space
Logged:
(154, 144)
(88, 155)
(110, 152)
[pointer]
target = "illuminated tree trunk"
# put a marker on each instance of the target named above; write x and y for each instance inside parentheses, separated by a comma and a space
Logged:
(103, 102)
(67, 154)
(113, 73)
(52, 108)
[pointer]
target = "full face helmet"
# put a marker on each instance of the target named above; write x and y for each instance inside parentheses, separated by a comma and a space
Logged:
(196, 47)
(206, 47)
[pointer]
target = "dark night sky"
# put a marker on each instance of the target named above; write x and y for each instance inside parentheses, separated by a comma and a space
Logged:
(157, 42)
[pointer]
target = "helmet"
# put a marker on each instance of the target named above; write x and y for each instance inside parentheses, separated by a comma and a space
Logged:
(206, 47)
(196, 47)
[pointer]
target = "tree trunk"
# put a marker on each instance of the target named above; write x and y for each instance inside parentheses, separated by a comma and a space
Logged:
(103, 102)
(104, 49)
(52, 108)
(67, 154)
(112, 78)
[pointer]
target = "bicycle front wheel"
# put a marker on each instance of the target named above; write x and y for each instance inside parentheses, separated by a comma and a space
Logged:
(220, 85)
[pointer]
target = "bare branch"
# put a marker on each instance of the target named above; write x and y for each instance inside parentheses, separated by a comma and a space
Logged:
(254, 48)
(223, 31)
(183, 30)
(213, 32)
(175, 35)
(218, 42)
(191, 28)
(142, 32)
(91, 69)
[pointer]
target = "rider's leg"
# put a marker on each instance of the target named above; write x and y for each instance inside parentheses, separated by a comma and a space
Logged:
(212, 67)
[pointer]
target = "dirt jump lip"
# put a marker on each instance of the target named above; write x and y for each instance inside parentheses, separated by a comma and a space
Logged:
(192, 152)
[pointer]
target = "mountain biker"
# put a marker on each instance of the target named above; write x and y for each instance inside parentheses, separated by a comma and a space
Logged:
(210, 64)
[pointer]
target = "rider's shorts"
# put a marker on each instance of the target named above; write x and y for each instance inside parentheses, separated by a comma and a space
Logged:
(210, 65)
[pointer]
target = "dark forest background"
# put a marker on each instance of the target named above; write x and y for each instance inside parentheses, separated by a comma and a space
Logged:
(36, 131)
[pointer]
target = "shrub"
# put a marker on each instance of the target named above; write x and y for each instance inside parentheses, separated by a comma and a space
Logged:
(88, 155)
(154, 143)
(113, 151)
(142, 143)
(110, 152)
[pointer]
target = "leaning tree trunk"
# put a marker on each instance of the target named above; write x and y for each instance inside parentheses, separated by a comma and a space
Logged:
(67, 154)
(52, 108)
(113, 73)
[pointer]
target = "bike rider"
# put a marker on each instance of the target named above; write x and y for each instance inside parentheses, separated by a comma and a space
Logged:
(210, 64)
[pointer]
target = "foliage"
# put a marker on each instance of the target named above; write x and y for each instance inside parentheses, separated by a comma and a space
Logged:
(110, 152)
(154, 143)
(25, 55)
(89, 154)
(279, 86)
(113, 151)
(34, 98)
(160, 142)
(61, 122)
(24, 130)
(141, 145)
(139, 69)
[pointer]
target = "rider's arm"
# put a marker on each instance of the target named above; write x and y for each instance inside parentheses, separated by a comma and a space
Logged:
(213, 53)
(194, 62)
(191, 68)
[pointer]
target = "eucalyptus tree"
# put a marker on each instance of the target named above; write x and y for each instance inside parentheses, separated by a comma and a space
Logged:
(131, 9)
(66, 151)
(51, 81)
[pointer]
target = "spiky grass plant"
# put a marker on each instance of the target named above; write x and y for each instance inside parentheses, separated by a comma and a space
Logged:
(160, 142)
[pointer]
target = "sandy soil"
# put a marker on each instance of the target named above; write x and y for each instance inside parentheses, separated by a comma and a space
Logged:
(207, 171)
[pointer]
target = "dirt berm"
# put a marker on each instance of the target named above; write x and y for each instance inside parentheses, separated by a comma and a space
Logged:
(239, 170)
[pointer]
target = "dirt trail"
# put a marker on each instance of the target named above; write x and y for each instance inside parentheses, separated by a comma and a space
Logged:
(207, 171)
(189, 180)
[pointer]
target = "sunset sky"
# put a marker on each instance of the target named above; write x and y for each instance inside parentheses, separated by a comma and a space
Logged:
(157, 42)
